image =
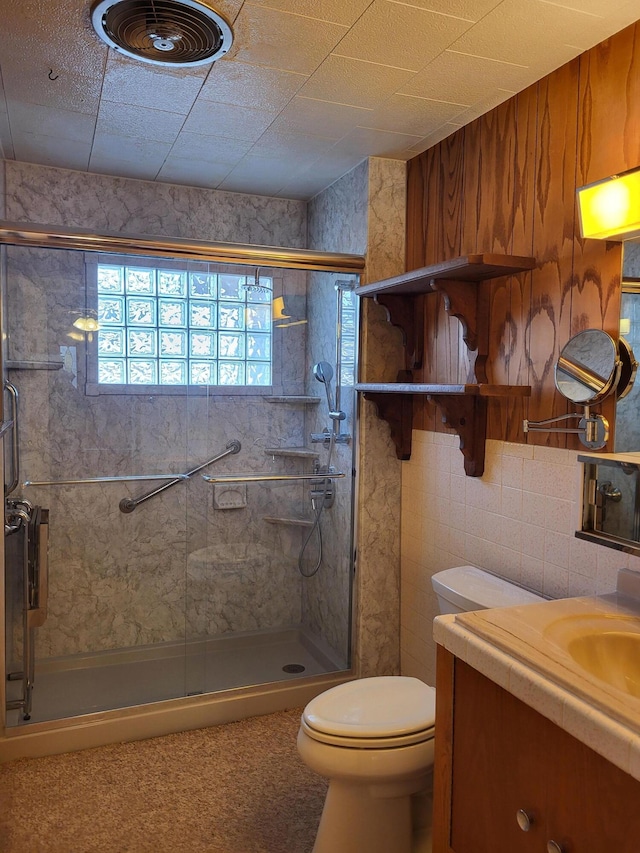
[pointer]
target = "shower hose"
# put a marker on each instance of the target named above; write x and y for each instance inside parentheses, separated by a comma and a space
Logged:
(316, 519)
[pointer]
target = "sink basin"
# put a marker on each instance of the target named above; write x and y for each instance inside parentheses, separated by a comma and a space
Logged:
(606, 646)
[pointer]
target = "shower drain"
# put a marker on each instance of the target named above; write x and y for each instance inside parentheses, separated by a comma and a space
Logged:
(293, 667)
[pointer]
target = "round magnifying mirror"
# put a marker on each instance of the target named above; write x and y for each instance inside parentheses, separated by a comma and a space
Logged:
(588, 367)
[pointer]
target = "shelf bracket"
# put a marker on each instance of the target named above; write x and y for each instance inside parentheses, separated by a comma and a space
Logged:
(407, 316)
(467, 416)
(397, 411)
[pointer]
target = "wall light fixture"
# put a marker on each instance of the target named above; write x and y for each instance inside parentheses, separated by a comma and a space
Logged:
(610, 209)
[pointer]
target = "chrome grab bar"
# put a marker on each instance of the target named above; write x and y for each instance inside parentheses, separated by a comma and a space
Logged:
(90, 480)
(15, 456)
(129, 504)
(264, 478)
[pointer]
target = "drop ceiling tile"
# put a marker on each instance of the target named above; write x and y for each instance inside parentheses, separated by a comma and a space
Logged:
(353, 82)
(232, 82)
(344, 12)
(139, 84)
(472, 10)
(110, 147)
(229, 9)
(417, 116)
(320, 118)
(27, 79)
(129, 120)
(49, 151)
(369, 142)
(291, 149)
(207, 117)
(464, 79)
(50, 122)
(530, 32)
(256, 175)
(209, 149)
(281, 40)
(193, 172)
(321, 174)
(591, 7)
(490, 100)
(104, 165)
(438, 135)
(400, 36)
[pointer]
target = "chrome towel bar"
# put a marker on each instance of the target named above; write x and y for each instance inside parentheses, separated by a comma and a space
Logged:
(90, 480)
(264, 478)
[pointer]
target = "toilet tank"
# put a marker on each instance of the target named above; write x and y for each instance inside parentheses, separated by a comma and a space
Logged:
(467, 588)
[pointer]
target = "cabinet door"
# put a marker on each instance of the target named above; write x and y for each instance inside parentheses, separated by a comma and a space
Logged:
(508, 757)
(496, 769)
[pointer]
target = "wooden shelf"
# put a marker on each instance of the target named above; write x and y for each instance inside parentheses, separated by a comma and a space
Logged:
(464, 284)
(469, 268)
(459, 282)
(474, 390)
(463, 409)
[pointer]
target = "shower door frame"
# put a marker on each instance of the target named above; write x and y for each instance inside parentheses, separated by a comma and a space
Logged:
(170, 715)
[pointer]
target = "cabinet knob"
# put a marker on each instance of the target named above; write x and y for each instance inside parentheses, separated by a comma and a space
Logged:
(524, 820)
(554, 847)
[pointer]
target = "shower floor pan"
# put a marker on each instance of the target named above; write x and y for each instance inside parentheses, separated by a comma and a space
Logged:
(85, 684)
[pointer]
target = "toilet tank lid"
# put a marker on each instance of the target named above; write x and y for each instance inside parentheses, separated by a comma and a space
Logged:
(471, 588)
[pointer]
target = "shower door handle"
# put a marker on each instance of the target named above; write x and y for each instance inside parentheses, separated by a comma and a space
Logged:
(39, 580)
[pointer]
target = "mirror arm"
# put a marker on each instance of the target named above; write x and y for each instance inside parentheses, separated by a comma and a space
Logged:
(593, 430)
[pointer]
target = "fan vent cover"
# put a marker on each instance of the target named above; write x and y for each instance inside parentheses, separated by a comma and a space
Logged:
(174, 33)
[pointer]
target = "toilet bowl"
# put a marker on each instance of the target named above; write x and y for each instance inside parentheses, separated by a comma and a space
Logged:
(373, 739)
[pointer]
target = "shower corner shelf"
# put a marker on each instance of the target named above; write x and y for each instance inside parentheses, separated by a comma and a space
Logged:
(464, 407)
(291, 521)
(293, 399)
(292, 452)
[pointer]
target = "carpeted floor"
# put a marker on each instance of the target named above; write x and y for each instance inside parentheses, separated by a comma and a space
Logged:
(237, 788)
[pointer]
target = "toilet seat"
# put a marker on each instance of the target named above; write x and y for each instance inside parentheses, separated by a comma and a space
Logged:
(372, 713)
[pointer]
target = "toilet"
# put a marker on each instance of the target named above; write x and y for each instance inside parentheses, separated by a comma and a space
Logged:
(373, 739)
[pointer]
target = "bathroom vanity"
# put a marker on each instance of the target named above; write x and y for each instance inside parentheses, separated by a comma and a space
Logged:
(538, 728)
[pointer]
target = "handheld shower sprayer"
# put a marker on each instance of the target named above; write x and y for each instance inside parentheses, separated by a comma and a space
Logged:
(323, 372)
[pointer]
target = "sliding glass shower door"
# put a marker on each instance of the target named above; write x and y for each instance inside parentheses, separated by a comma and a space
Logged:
(138, 380)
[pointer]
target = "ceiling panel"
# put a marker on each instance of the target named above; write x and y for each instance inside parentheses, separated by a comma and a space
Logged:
(345, 12)
(393, 34)
(308, 90)
(275, 39)
(354, 82)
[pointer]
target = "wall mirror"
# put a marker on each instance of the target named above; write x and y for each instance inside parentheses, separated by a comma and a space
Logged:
(590, 367)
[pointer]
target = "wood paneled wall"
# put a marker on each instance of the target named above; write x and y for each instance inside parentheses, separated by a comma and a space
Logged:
(507, 183)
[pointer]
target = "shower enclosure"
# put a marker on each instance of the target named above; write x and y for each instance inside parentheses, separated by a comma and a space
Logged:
(172, 477)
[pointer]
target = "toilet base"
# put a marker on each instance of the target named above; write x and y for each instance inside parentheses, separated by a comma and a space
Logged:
(356, 820)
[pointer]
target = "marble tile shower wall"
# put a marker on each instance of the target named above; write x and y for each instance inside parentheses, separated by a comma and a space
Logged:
(518, 521)
(118, 581)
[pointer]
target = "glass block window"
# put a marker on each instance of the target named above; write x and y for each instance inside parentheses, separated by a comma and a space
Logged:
(349, 336)
(180, 327)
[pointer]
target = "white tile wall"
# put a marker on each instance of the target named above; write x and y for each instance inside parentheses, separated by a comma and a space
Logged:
(518, 521)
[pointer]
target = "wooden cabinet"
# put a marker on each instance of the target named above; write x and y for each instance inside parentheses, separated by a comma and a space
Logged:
(497, 759)
(464, 284)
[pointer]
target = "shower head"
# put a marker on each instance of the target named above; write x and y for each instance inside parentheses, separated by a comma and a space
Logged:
(323, 372)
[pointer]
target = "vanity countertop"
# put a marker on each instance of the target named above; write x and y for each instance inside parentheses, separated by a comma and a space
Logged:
(523, 650)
